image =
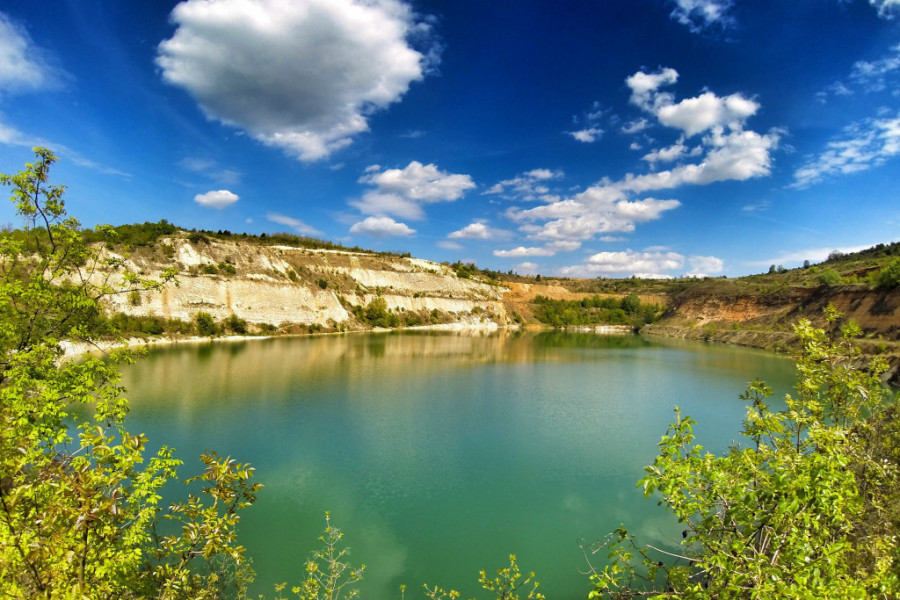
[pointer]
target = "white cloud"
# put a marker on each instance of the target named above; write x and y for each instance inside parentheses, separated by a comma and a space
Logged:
(382, 227)
(448, 245)
(295, 224)
(479, 231)
(597, 210)
(527, 187)
(551, 249)
(24, 66)
(701, 266)
(873, 76)
(641, 264)
(630, 262)
(13, 137)
(635, 126)
(211, 169)
(217, 199)
(695, 115)
(590, 131)
(866, 144)
(474, 231)
(527, 268)
(738, 155)
(692, 115)
(522, 251)
(672, 153)
(697, 14)
(886, 8)
(814, 255)
(726, 152)
(644, 86)
(756, 207)
(402, 192)
(589, 135)
(541, 174)
(302, 76)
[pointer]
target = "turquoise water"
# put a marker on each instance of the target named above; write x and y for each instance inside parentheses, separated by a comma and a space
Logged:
(441, 454)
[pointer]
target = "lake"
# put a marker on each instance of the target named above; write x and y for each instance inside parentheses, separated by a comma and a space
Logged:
(439, 454)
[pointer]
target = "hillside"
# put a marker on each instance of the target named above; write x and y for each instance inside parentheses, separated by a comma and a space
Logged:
(288, 284)
(285, 287)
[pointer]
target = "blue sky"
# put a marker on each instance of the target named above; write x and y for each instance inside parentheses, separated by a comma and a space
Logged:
(577, 137)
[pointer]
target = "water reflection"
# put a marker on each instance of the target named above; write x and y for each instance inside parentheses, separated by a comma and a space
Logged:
(440, 454)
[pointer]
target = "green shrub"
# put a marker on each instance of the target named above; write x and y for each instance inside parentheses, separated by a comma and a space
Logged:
(889, 277)
(829, 276)
(206, 325)
(805, 507)
(236, 325)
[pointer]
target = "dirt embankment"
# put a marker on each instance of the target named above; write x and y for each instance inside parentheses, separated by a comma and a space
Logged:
(765, 320)
(520, 295)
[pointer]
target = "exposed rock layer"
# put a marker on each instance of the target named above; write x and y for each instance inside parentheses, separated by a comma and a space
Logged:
(281, 284)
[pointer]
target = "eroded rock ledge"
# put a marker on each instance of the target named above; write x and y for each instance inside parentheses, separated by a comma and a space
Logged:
(281, 284)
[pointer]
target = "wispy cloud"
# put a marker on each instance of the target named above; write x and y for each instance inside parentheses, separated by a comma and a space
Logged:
(879, 74)
(211, 170)
(13, 137)
(527, 187)
(886, 8)
(25, 66)
(864, 145)
(590, 131)
(295, 224)
(811, 254)
(700, 14)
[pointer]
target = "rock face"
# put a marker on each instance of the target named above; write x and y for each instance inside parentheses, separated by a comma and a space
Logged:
(877, 312)
(287, 285)
(765, 320)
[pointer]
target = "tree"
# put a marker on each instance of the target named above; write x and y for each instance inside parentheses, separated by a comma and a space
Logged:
(79, 501)
(829, 277)
(889, 277)
(206, 325)
(801, 510)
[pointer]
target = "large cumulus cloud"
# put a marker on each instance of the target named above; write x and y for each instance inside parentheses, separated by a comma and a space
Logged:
(303, 75)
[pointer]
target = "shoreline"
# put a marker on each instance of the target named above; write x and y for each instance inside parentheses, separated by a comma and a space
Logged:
(72, 350)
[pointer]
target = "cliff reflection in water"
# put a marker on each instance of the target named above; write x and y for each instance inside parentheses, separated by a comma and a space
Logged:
(191, 375)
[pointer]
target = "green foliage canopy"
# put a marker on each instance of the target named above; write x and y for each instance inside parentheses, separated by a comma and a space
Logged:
(79, 500)
(803, 509)
(595, 310)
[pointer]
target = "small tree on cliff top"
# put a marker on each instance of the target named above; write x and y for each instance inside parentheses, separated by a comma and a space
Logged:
(78, 508)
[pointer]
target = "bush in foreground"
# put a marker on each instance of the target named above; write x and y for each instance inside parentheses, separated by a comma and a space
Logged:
(804, 508)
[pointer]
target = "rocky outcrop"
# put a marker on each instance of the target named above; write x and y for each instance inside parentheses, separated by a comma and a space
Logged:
(287, 285)
(876, 311)
(765, 320)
